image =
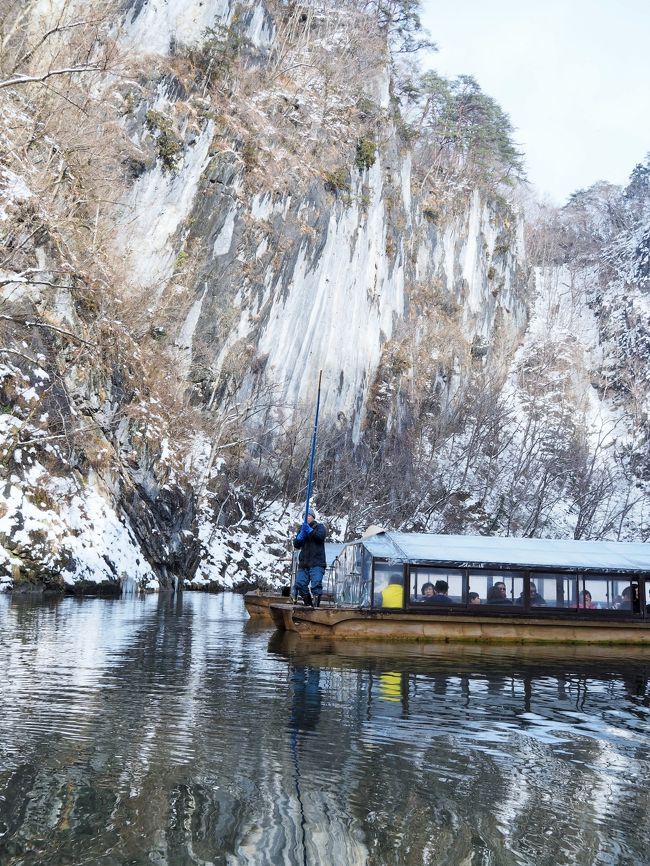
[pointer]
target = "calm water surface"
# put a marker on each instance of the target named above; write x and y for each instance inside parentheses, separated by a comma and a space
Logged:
(175, 731)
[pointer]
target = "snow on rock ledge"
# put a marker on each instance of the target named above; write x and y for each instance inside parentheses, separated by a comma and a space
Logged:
(253, 553)
(65, 540)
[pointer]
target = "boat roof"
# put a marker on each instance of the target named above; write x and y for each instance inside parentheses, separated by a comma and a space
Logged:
(482, 550)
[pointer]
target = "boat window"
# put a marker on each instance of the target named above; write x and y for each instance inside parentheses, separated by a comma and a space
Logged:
(496, 588)
(389, 585)
(352, 576)
(551, 589)
(605, 592)
(437, 586)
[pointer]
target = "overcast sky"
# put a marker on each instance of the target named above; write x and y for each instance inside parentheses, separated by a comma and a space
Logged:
(574, 76)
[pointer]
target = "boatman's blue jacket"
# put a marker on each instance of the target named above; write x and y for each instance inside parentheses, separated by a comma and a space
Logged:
(312, 549)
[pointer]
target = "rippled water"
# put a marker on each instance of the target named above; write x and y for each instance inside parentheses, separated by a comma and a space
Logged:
(175, 731)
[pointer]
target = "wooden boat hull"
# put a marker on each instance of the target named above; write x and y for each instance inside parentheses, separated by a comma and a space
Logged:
(258, 604)
(354, 623)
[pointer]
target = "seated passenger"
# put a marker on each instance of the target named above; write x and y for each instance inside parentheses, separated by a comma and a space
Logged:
(584, 601)
(498, 594)
(629, 599)
(427, 592)
(440, 593)
(536, 599)
(393, 594)
(474, 598)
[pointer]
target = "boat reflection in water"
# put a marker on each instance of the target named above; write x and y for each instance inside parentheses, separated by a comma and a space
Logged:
(505, 756)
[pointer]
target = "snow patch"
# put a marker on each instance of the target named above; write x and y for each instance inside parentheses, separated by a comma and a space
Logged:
(12, 189)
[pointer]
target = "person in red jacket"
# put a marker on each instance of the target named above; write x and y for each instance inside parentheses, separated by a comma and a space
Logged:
(310, 541)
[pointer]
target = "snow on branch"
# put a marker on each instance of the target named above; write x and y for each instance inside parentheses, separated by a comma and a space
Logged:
(30, 79)
(24, 279)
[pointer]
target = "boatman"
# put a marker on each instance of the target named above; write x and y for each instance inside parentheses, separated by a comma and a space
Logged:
(310, 541)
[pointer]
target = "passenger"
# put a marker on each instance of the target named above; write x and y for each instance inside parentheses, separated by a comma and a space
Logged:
(630, 599)
(536, 599)
(474, 598)
(440, 593)
(584, 601)
(427, 592)
(393, 595)
(498, 594)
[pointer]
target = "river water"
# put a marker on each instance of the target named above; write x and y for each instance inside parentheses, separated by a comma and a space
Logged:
(165, 730)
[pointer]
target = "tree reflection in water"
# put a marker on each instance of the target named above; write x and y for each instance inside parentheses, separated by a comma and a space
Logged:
(173, 732)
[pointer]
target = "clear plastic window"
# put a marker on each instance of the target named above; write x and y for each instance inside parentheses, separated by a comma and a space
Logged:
(436, 586)
(594, 595)
(352, 576)
(389, 585)
(495, 588)
(551, 589)
(607, 593)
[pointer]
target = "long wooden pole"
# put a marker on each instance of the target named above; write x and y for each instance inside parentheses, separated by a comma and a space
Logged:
(313, 447)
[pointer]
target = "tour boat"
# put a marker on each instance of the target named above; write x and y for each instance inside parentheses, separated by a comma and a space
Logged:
(403, 586)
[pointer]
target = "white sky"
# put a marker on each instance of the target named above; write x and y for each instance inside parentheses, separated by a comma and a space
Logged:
(573, 75)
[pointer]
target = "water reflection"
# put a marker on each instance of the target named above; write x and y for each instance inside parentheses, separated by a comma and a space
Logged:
(175, 731)
(305, 697)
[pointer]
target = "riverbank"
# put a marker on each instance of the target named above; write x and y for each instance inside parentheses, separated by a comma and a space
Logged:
(255, 552)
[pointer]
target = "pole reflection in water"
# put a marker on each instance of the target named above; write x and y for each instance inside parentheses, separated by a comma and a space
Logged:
(172, 730)
(305, 712)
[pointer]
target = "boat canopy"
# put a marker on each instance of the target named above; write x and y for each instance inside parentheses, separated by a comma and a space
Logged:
(479, 550)
(399, 570)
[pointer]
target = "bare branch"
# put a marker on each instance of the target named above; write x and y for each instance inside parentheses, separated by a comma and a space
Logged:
(30, 79)
(293, 66)
(38, 440)
(19, 354)
(67, 99)
(45, 325)
(25, 282)
(59, 28)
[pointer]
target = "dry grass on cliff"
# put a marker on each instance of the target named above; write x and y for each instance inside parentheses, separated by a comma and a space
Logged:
(292, 116)
(64, 168)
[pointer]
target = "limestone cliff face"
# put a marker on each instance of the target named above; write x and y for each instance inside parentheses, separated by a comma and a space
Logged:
(285, 276)
(263, 212)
